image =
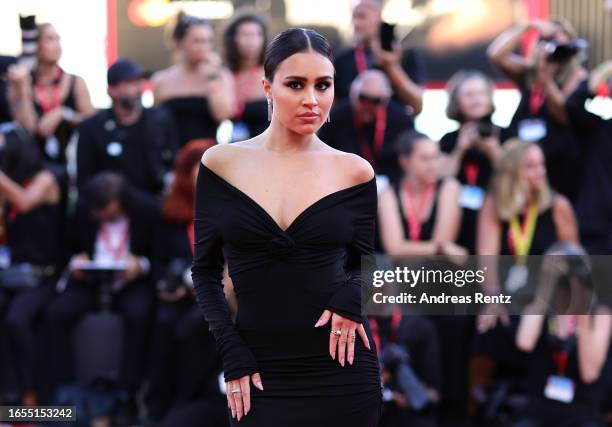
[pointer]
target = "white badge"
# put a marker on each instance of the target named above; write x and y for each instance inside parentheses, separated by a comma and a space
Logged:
(517, 278)
(52, 147)
(471, 197)
(559, 388)
(532, 130)
(114, 149)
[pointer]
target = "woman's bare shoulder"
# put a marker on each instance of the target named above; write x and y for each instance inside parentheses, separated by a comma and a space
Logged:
(219, 158)
(355, 168)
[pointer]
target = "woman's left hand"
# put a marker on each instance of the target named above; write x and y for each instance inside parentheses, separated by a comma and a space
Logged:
(342, 336)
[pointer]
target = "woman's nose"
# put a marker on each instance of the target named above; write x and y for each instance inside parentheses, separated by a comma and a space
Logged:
(310, 97)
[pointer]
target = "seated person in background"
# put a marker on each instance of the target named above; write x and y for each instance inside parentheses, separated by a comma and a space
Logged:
(113, 224)
(471, 150)
(368, 123)
(405, 70)
(29, 199)
(420, 214)
(137, 142)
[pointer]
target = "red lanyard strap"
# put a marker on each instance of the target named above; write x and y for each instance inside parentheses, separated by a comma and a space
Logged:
(243, 90)
(396, 319)
(49, 103)
(379, 136)
(413, 212)
(471, 170)
(360, 59)
(536, 100)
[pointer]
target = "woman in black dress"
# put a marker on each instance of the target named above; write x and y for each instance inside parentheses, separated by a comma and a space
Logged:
(293, 234)
(245, 40)
(197, 89)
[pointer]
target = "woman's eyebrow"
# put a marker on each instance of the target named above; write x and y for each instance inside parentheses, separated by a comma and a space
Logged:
(303, 79)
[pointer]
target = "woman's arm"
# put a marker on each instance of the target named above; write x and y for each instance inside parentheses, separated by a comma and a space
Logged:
(391, 232)
(83, 101)
(593, 336)
(221, 94)
(20, 97)
(556, 97)
(501, 52)
(42, 190)
(565, 220)
(529, 330)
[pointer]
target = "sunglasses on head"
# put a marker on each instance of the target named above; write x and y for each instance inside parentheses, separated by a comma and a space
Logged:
(376, 100)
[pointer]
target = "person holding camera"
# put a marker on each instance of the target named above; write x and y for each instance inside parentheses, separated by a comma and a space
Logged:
(546, 79)
(113, 228)
(376, 48)
(29, 197)
(183, 357)
(566, 335)
(471, 151)
(594, 204)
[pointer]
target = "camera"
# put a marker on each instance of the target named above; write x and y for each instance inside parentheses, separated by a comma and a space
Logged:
(562, 52)
(175, 274)
(396, 360)
(485, 127)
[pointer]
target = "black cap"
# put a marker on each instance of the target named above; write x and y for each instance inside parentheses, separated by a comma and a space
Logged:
(123, 70)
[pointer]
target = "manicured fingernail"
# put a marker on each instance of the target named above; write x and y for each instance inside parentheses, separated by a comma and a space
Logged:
(259, 385)
(233, 414)
(333, 355)
(317, 324)
(342, 362)
(350, 359)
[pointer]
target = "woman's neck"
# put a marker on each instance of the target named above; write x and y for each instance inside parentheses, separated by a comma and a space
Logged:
(415, 184)
(47, 71)
(282, 140)
(191, 66)
(248, 64)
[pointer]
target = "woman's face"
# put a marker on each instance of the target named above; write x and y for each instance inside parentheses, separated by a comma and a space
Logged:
(474, 99)
(422, 163)
(302, 92)
(197, 44)
(49, 47)
(249, 40)
(533, 169)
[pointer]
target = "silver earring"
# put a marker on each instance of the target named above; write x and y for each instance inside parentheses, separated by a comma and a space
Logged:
(328, 118)
(269, 110)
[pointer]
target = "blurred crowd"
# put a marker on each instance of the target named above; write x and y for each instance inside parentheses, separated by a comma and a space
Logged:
(96, 301)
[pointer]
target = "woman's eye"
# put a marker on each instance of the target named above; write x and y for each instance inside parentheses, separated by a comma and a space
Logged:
(322, 86)
(294, 85)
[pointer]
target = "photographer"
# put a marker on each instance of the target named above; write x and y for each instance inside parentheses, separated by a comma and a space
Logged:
(545, 80)
(594, 204)
(410, 369)
(113, 225)
(566, 347)
(181, 344)
(405, 70)
(29, 196)
(471, 151)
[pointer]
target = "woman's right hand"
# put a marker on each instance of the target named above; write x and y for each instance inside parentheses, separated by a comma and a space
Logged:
(238, 394)
(489, 316)
(468, 134)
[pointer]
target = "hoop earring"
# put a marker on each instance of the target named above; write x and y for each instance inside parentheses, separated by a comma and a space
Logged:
(269, 110)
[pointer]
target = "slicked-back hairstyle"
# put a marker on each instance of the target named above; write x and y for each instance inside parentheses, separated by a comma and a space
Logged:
(290, 42)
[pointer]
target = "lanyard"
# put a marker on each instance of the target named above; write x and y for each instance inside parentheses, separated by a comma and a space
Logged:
(53, 101)
(360, 59)
(116, 251)
(396, 319)
(536, 100)
(191, 236)
(471, 170)
(379, 135)
(560, 357)
(244, 90)
(520, 238)
(413, 212)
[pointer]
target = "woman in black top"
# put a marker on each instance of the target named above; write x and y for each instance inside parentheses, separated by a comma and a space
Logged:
(244, 42)
(197, 89)
(471, 150)
(30, 199)
(546, 79)
(293, 234)
(60, 100)
(420, 215)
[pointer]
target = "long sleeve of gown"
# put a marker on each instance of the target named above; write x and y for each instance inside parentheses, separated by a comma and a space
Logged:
(207, 273)
(347, 300)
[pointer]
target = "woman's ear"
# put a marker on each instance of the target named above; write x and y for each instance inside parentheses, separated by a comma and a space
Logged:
(267, 87)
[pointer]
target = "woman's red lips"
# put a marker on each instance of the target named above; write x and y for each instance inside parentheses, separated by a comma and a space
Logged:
(307, 115)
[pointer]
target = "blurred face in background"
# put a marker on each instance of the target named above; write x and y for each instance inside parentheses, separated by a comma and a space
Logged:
(249, 40)
(371, 94)
(49, 47)
(366, 20)
(302, 92)
(422, 162)
(533, 168)
(127, 94)
(474, 98)
(197, 44)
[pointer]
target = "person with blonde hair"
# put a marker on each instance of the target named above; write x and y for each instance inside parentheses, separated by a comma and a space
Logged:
(521, 215)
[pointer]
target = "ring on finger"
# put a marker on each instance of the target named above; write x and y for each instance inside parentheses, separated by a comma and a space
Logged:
(337, 332)
(235, 390)
(352, 337)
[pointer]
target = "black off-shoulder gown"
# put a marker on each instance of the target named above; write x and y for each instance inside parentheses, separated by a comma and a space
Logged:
(284, 280)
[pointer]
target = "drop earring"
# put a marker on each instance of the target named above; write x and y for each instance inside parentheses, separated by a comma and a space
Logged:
(328, 118)
(269, 110)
